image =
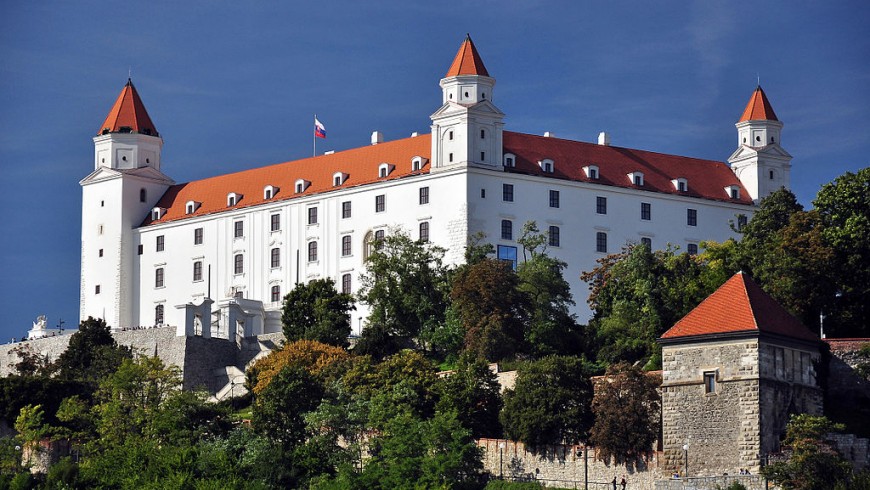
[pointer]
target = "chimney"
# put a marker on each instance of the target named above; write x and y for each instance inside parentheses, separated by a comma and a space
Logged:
(377, 137)
(548, 134)
(603, 139)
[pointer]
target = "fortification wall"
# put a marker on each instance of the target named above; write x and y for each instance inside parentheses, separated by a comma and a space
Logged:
(843, 382)
(564, 466)
(51, 347)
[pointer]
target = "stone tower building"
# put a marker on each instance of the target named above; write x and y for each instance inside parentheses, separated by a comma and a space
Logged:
(734, 369)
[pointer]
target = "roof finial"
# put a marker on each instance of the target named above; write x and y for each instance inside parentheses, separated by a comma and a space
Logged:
(758, 77)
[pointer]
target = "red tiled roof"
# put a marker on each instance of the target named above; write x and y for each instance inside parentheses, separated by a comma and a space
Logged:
(128, 112)
(758, 108)
(467, 61)
(360, 164)
(739, 305)
(707, 179)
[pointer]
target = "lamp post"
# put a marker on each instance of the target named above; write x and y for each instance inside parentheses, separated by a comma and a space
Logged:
(686, 454)
(500, 465)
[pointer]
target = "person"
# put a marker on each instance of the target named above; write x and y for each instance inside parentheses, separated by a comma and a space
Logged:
(614, 483)
(676, 474)
(623, 483)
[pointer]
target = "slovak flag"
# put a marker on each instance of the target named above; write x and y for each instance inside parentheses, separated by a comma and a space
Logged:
(319, 128)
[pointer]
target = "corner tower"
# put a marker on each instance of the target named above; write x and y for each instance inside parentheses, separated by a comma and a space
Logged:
(467, 129)
(116, 197)
(761, 164)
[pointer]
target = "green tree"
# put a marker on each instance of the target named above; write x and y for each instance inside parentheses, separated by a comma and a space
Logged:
(317, 311)
(92, 353)
(627, 412)
(844, 209)
(813, 464)
(487, 299)
(471, 391)
(280, 409)
(552, 328)
(406, 285)
(550, 404)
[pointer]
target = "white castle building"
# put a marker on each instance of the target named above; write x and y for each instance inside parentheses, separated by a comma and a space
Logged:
(214, 257)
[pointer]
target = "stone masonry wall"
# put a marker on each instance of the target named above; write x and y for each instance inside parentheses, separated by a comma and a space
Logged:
(563, 466)
(720, 428)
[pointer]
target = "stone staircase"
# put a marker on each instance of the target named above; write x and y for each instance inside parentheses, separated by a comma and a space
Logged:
(231, 379)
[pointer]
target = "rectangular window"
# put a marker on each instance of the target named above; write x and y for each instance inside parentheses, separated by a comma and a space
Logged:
(345, 246)
(380, 203)
(553, 236)
(161, 243)
(601, 242)
(424, 231)
(276, 294)
(379, 240)
(554, 199)
(647, 241)
(507, 192)
(710, 382)
(158, 277)
(508, 254)
(345, 209)
(345, 283)
(483, 193)
(97, 289)
(141, 249)
(276, 257)
(239, 229)
(424, 195)
(238, 264)
(645, 211)
(312, 216)
(158, 315)
(741, 222)
(601, 205)
(692, 217)
(693, 249)
(275, 222)
(197, 271)
(101, 252)
(507, 229)
(312, 251)
(197, 236)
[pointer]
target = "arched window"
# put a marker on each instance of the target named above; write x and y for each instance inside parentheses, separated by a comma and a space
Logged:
(158, 315)
(276, 294)
(312, 251)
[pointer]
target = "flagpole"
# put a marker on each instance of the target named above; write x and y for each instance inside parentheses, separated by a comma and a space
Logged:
(314, 139)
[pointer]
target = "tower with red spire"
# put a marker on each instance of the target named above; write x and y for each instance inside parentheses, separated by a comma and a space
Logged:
(761, 164)
(123, 188)
(467, 128)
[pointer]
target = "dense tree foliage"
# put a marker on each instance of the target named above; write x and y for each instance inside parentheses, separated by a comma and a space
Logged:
(627, 413)
(550, 404)
(317, 311)
(316, 357)
(471, 391)
(92, 353)
(813, 464)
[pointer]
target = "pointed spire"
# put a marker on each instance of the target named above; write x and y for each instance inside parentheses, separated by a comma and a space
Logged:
(128, 115)
(739, 305)
(758, 108)
(467, 61)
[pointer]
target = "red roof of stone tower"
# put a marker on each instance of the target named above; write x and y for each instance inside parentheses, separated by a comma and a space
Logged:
(467, 61)
(758, 108)
(739, 305)
(128, 114)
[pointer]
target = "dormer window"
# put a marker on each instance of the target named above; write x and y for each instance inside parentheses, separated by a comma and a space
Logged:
(191, 206)
(417, 163)
(157, 213)
(680, 184)
(636, 178)
(385, 169)
(510, 160)
(546, 165)
(233, 198)
(269, 192)
(301, 185)
(733, 191)
(338, 178)
(591, 172)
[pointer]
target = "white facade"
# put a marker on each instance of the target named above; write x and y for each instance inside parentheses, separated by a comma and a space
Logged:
(172, 257)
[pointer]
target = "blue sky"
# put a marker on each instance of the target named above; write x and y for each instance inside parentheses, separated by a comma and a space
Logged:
(234, 85)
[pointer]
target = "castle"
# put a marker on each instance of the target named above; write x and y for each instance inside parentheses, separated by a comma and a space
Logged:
(214, 257)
